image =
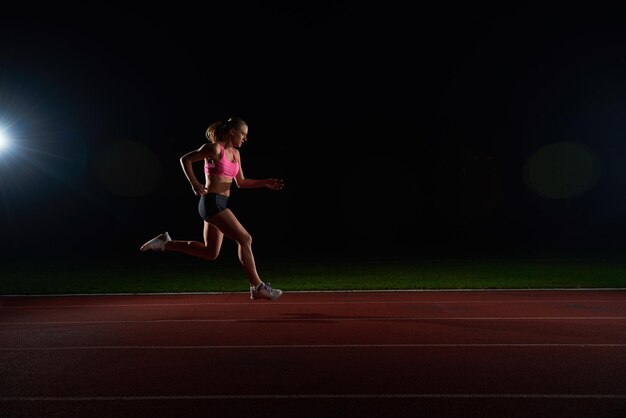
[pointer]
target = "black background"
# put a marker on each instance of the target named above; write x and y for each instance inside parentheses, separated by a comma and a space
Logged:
(397, 129)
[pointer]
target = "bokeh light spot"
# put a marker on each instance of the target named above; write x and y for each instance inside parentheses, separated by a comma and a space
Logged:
(129, 168)
(562, 170)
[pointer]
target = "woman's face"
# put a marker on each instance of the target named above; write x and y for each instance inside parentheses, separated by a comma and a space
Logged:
(239, 136)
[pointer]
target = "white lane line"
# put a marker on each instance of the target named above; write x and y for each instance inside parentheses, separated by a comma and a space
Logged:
(308, 346)
(326, 319)
(345, 291)
(603, 396)
(277, 304)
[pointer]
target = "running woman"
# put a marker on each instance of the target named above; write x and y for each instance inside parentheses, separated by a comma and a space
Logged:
(222, 165)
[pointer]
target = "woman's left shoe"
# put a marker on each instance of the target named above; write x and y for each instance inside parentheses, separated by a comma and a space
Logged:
(157, 243)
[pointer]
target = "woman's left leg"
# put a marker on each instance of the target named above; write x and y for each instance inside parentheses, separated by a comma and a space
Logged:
(227, 222)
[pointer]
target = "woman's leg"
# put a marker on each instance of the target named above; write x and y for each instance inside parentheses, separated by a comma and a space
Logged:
(226, 222)
(213, 239)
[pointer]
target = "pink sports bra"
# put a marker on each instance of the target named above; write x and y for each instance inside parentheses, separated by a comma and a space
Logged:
(223, 166)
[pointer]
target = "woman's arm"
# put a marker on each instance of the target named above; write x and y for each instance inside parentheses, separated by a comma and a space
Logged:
(186, 161)
(244, 183)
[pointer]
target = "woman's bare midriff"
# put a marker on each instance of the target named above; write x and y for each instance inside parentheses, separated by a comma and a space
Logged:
(218, 184)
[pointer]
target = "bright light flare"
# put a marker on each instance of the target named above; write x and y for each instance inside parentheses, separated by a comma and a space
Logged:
(4, 141)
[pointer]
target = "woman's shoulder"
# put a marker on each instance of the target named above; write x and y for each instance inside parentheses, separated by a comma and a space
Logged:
(210, 148)
(206, 150)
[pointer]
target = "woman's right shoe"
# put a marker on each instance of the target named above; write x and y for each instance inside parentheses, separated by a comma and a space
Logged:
(264, 291)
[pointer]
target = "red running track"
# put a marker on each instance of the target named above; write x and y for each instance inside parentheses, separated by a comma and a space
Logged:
(370, 354)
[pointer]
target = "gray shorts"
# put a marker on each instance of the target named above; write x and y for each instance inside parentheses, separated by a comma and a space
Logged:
(211, 204)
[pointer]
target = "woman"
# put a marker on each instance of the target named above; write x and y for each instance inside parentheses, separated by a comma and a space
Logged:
(222, 164)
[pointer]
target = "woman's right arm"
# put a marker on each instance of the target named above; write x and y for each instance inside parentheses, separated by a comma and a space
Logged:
(205, 151)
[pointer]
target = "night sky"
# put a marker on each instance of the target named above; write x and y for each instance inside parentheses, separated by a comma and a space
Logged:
(421, 131)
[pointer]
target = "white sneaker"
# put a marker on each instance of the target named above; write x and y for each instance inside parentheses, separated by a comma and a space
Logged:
(264, 291)
(157, 243)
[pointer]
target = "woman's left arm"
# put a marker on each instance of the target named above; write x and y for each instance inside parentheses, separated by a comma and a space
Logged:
(244, 183)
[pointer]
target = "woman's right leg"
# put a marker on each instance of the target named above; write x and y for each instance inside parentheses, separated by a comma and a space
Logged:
(213, 239)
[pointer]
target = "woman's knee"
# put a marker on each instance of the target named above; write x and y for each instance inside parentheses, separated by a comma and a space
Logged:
(245, 239)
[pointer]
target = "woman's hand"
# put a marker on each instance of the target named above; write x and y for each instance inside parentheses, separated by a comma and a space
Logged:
(199, 189)
(274, 184)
